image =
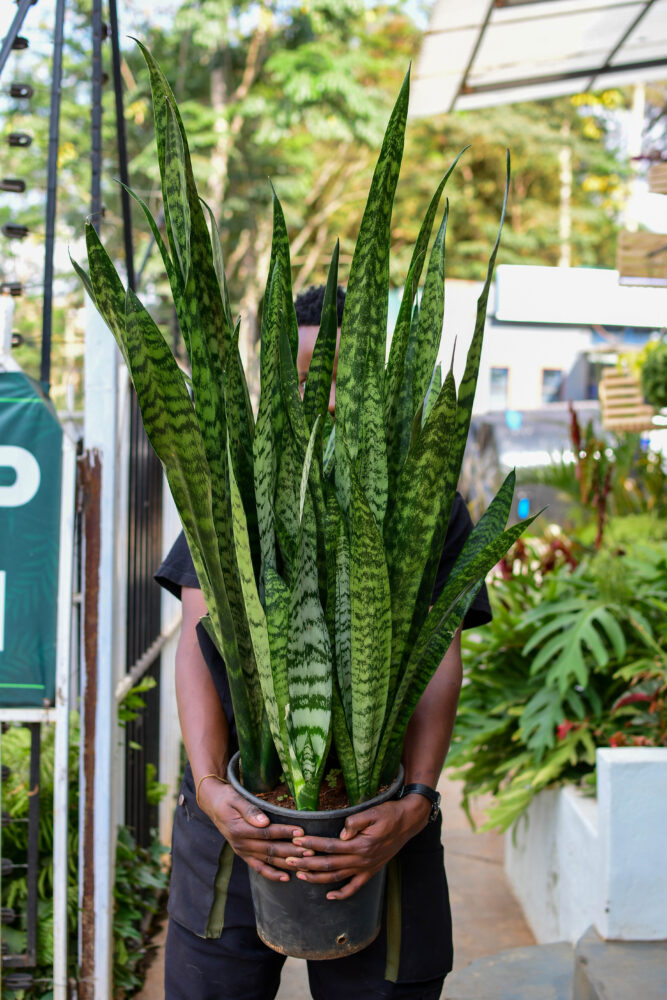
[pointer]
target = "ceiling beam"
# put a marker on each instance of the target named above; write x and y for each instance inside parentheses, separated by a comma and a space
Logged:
(620, 43)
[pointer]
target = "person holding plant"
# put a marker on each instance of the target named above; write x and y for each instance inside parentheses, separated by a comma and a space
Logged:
(213, 951)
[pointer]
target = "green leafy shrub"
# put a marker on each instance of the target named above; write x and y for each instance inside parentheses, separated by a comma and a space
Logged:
(654, 376)
(140, 876)
(575, 658)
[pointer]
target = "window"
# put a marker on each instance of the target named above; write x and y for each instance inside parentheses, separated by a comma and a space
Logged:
(552, 381)
(498, 388)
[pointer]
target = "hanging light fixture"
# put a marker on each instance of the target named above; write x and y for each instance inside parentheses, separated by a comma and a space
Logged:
(21, 90)
(19, 139)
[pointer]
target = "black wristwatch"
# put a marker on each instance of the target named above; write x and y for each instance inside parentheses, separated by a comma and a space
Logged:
(428, 793)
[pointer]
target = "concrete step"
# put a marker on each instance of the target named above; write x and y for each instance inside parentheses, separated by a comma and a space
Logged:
(537, 972)
(619, 970)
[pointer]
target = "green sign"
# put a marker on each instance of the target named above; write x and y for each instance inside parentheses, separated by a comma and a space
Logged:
(30, 479)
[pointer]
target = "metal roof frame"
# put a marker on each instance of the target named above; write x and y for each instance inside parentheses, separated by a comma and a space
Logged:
(463, 61)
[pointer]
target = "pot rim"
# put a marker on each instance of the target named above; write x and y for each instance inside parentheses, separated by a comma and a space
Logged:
(289, 814)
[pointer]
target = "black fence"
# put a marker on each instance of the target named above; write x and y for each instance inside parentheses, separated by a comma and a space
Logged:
(143, 621)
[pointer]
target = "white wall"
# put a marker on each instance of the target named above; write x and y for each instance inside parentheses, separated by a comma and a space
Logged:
(574, 861)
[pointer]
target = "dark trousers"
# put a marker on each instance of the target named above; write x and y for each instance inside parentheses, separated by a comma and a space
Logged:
(238, 966)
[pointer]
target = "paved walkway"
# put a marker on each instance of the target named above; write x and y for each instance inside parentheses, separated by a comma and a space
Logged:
(486, 915)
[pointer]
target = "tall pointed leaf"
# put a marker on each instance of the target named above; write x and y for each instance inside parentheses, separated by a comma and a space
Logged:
(364, 327)
(320, 373)
(431, 313)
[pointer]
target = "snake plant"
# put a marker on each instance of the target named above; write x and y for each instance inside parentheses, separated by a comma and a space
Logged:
(316, 548)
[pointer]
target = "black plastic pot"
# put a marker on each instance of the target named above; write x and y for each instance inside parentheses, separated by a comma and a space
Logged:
(295, 917)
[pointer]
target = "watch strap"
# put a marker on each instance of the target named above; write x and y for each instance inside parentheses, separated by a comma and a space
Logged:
(416, 788)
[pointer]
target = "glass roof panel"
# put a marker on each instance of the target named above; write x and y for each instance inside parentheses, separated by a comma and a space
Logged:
(499, 51)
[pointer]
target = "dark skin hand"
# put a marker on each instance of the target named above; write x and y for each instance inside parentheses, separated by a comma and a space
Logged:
(372, 837)
(264, 846)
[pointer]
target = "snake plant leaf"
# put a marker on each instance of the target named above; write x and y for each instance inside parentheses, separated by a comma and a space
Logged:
(457, 441)
(175, 186)
(343, 743)
(370, 634)
(309, 659)
(421, 497)
(175, 278)
(280, 252)
(240, 430)
(84, 278)
(320, 373)
(432, 394)
(466, 394)
(219, 263)
(394, 373)
(343, 619)
(431, 314)
(296, 438)
(267, 440)
(364, 327)
(406, 408)
(438, 631)
(277, 602)
(372, 455)
(257, 621)
(107, 289)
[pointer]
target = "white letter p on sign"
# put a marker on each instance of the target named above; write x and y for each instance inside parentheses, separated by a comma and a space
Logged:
(26, 484)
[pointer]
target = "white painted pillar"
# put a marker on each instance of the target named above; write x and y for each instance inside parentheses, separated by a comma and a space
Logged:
(170, 730)
(104, 387)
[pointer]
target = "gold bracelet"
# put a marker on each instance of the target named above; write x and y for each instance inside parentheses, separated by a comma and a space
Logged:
(211, 775)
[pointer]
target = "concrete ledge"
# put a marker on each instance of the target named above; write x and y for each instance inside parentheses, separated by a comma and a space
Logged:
(574, 861)
(535, 973)
(617, 970)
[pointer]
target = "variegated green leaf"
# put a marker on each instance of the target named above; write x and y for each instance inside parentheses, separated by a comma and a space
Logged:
(343, 620)
(320, 373)
(364, 327)
(478, 557)
(175, 187)
(309, 662)
(405, 409)
(431, 313)
(372, 455)
(433, 391)
(422, 495)
(280, 253)
(219, 263)
(370, 634)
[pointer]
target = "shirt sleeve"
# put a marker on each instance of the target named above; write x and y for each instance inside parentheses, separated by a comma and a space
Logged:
(460, 526)
(177, 570)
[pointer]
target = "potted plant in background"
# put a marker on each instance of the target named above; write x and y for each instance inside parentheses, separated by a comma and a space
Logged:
(316, 547)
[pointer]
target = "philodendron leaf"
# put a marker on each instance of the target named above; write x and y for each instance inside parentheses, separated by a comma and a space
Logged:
(364, 327)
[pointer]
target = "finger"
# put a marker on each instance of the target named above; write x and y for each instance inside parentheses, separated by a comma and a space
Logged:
(275, 831)
(267, 870)
(325, 845)
(326, 863)
(251, 813)
(351, 887)
(357, 822)
(322, 878)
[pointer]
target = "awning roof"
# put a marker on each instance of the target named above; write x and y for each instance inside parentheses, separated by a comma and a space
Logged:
(481, 52)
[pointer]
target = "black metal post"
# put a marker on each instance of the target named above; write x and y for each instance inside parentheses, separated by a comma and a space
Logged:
(96, 119)
(15, 27)
(52, 189)
(122, 146)
(33, 844)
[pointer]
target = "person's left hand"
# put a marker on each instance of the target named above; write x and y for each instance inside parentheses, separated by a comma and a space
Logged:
(367, 842)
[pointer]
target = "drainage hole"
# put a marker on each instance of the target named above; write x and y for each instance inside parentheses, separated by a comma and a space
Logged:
(341, 939)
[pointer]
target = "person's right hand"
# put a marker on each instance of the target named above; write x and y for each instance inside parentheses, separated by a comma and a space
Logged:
(263, 845)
